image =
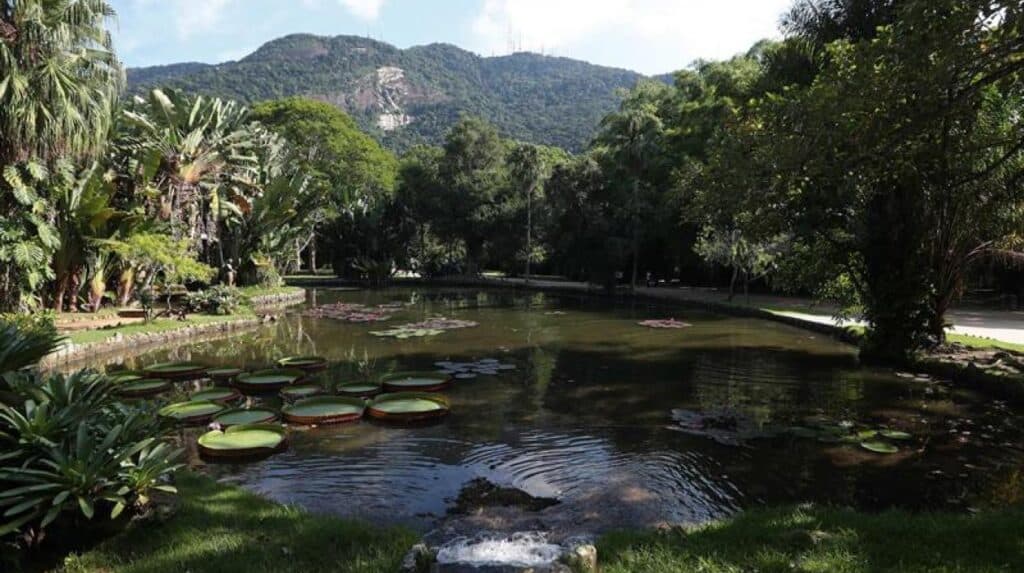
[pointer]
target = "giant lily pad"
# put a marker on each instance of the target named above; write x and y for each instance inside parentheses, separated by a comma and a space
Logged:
(879, 447)
(217, 395)
(408, 407)
(175, 370)
(416, 382)
(242, 416)
(247, 441)
(301, 391)
(304, 363)
(360, 389)
(142, 388)
(325, 410)
(192, 412)
(267, 380)
(223, 374)
(895, 435)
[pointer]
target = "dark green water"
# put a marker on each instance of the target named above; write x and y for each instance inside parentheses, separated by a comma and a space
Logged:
(587, 415)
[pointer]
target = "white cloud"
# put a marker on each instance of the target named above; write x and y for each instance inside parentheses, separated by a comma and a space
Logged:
(667, 32)
(365, 9)
(197, 16)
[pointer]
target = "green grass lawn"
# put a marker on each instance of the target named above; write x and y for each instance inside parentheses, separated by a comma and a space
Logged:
(159, 325)
(822, 540)
(166, 324)
(224, 529)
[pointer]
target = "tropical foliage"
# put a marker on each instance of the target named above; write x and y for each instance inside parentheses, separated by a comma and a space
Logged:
(70, 450)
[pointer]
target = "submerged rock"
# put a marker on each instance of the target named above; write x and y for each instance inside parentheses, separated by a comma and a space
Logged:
(480, 493)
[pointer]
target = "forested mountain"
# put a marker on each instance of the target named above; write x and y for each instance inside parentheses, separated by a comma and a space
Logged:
(414, 95)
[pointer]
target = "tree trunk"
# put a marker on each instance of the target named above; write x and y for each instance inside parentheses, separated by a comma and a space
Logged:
(74, 286)
(636, 230)
(312, 253)
(529, 228)
(732, 284)
(60, 293)
(746, 286)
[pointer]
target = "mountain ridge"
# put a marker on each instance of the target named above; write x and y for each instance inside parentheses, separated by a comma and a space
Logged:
(413, 95)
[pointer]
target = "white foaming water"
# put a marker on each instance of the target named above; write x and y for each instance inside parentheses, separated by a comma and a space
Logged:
(523, 549)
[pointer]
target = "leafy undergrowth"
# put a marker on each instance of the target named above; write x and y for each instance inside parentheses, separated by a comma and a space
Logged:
(810, 539)
(225, 529)
(258, 291)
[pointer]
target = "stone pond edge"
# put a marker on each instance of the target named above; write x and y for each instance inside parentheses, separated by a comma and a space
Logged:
(70, 352)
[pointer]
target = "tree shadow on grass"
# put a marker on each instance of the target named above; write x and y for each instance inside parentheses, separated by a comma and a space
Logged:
(818, 539)
(225, 529)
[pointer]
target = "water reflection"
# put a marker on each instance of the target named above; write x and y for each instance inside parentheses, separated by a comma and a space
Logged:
(585, 415)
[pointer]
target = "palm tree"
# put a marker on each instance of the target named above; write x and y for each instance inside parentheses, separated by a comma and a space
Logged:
(527, 169)
(194, 149)
(632, 137)
(59, 81)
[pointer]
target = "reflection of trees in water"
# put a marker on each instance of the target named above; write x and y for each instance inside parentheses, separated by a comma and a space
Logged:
(772, 385)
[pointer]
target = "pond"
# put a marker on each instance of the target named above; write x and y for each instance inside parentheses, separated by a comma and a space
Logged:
(599, 413)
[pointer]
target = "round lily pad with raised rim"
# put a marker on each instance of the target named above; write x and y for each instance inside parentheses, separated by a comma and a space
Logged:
(223, 374)
(267, 380)
(246, 441)
(142, 388)
(895, 435)
(217, 395)
(306, 363)
(243, 416)
(416, 382)
(175, 370)
(301, 391)
(360, 389)
(408, 407)
(191, 412)
(325, 410)
(879, 447)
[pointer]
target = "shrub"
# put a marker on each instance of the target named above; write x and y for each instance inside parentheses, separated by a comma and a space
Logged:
(219, 300)
(69, 448)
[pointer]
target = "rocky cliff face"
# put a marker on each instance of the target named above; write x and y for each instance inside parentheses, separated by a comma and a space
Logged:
(411, 96)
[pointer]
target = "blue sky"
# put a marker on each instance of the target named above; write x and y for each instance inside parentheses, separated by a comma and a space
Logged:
(650, 36)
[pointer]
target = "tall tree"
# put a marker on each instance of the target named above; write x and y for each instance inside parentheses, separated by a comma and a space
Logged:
(633, 140)
(59, 82)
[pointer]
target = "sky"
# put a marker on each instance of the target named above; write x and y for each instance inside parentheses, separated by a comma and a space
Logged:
(649, 36)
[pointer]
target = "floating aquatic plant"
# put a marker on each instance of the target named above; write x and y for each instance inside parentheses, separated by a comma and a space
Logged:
(325, 410)
(418, 381)
(353, 312)
(429, 327)
(245, 441)
(191, 412)
(243, 416)
(408, 407)
(468, 370)
(664, 323)
(217, 395)
(305, 363)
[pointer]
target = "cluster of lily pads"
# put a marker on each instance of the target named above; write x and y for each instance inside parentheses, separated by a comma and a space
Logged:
(470, 370)
(240, 429)
(353, 312)
(664, 323)
(732, 428)
(430, 327)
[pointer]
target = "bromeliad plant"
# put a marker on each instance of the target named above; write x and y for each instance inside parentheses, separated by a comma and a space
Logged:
(71, 450)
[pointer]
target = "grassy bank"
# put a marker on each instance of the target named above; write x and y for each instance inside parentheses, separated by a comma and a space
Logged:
(222, 528)
(225, 529)
(166, 324)
(822, 540)
(153, 326)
